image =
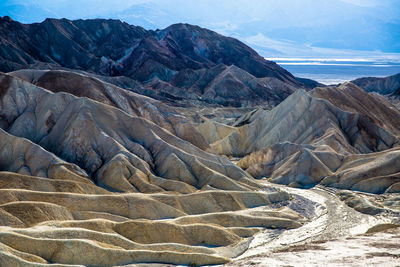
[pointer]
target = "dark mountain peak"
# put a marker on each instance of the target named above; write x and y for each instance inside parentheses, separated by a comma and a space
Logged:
(54, 20)
(6, 18)
(193, 30)
(382, 85)
(113, 48)
(182, 26)
(206, 45)
(113, 23)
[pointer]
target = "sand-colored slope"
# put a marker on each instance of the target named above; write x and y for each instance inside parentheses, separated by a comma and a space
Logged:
(117, 188)
(119, 151)
(107, 229)
(94, 175)
(132, 103)
(304, 166)
(320, 138)
(20, 155)
(350, 97)
(303, 119)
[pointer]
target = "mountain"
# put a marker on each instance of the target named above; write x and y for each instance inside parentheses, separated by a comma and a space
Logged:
(395, 98)
(335, 136)
(65, 154)
(87, 164)
(225, 85)
(307, 119)
(60, 117)
(123, 146)
(316, 32)
(179, 62)
(384, 86)
(65, 43)
(387, 86)
(112, 47)
(352, 98)
(128, 101)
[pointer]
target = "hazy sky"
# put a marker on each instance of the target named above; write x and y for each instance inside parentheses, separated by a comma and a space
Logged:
(274, 27)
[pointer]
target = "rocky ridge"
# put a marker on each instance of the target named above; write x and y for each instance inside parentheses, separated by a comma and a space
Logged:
(179, 146)
(389, 87)
(326, 136)
(71, 141)
(181, 61)
(147, 180)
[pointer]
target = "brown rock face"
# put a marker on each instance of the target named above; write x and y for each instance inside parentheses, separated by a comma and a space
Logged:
(303, 119)
(334, 128)
(113, 48)
(383, 86)
(351, 98)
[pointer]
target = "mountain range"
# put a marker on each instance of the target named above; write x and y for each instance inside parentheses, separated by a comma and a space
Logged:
(161, 59)
(275, 29)
(121, 145)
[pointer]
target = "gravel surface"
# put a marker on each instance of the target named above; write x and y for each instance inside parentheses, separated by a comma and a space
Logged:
(335, 235)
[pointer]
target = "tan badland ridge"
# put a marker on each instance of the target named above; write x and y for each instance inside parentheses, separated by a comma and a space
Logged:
(92, 174)
(87, 183)
(97, 175)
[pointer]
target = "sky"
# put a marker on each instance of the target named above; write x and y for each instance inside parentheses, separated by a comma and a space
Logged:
(275, 28)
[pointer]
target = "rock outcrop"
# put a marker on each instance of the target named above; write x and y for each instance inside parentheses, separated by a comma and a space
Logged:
(130, 102)
(107, 142)
(335, 136)
(351, 98)
(384, 86)
(91, 174)
(305, 166)
(225, 85)
(304, 119)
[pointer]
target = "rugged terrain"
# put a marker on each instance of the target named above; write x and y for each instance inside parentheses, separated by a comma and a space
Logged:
(120, 146)
(387, 86)
(181, 60)
(384, 86)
